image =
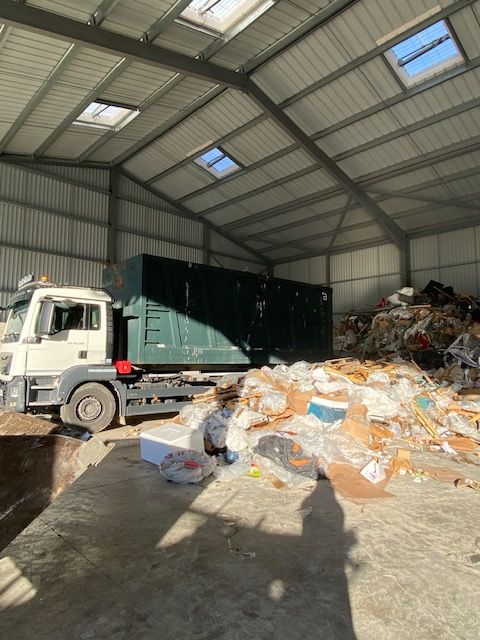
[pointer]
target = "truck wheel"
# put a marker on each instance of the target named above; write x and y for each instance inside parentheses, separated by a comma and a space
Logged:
(91, 406)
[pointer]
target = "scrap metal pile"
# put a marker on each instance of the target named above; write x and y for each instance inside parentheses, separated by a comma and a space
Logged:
(352, 422)
(423, 325)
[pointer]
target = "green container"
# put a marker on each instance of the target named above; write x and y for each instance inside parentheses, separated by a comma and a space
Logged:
(172, 314)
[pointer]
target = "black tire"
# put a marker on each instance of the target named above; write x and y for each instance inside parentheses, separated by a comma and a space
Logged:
(92, 406)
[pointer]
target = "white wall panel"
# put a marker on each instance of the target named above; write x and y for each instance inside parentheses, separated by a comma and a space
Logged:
(452, 258)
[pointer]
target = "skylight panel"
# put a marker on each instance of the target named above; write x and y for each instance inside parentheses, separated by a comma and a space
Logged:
(220, 15)
(425, 54)
(217, 163)
(106, 116)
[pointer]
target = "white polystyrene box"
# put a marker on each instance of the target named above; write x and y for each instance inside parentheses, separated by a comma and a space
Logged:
(156, 443)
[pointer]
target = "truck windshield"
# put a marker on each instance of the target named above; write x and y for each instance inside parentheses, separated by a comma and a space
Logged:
(16, 318)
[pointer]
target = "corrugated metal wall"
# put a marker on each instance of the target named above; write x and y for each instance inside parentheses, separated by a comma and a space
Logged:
(51, 225)
(452, 258)
(226, 254)
(358, 278)
(50, 222)
(311, 270)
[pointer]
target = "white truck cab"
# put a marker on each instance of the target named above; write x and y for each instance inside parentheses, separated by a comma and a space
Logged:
(52, 333)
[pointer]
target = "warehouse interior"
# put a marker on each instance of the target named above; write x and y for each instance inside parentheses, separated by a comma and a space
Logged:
(327, 142)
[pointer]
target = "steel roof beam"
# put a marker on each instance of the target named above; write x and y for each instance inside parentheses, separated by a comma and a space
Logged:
(407, 194)
(401, 168)
(324, 15)
(4, 32)
(399, 215)
(165, 21)
(38, 96)
(393, 135)
(323, 160)
(101, 12)
(65, 29)
(417, 233)
(218, 143)
(96, 19)
(73, 115)
(332, 9)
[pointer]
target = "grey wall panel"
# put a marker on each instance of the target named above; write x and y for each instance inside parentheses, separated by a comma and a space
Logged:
(52, 223)
(311, 270)
(130, 244)
(133, 191)
(158, 223)
(238, 264)
(96, 178)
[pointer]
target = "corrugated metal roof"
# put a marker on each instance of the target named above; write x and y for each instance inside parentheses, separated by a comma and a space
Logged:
(73, 142)
(271, 26)
(136, 84)
(69, 8)
(178, 184)
(184, 40)
(350, 94)
(134, 18)
(196, 132)
(258, 142)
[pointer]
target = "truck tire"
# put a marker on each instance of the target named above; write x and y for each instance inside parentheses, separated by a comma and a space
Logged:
(92, 406)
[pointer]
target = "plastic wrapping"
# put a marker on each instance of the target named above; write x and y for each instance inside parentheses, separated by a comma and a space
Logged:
(268, 467)
(195, 415)
(288, 453)
(459, 424)
(235, 438)
(227, 472)
(187, 466)
(327, 441)
(273, 403)
(377, 401)
(216, 427)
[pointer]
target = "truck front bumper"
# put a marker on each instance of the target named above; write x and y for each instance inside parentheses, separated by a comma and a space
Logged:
(12, 394)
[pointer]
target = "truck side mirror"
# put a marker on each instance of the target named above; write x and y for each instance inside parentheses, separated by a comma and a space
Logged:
(45, 318)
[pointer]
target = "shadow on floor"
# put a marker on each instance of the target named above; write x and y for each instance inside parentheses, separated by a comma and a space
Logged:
(130, 555)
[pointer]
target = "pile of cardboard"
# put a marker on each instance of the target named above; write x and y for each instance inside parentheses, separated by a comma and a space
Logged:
(356, 423)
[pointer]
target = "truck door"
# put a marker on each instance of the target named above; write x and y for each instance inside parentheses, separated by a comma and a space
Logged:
(61, 337)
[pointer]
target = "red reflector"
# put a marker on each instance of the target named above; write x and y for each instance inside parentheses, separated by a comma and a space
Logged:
(123, 366)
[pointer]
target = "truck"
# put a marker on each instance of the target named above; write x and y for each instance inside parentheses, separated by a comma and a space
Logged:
(158, 332)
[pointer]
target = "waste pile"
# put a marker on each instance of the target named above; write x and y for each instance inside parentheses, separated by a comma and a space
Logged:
(356, 423)
(423, 325)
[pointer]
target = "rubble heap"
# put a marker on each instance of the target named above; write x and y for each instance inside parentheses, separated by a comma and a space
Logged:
(352, 422)
(423, 325)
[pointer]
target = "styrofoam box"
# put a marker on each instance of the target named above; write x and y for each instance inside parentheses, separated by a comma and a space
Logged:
(156, 443)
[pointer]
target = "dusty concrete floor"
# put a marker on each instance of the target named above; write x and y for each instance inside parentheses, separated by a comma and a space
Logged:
(124, 554)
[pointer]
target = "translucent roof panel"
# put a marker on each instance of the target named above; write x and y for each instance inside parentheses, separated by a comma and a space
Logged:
(425, 54)
(217, 162)
(109, 116)
(220, 15)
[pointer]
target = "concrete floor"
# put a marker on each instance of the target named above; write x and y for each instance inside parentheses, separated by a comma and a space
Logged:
(124, 554)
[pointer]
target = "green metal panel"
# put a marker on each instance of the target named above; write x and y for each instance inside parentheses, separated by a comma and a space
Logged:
(174, 313)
